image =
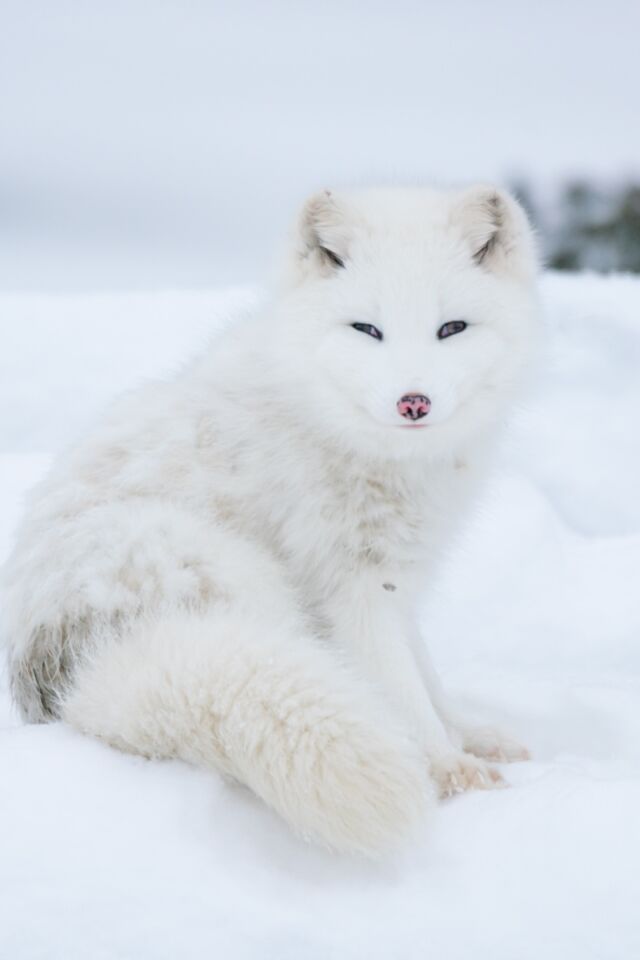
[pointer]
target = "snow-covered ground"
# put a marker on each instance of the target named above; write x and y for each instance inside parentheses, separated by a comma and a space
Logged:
(534, 622)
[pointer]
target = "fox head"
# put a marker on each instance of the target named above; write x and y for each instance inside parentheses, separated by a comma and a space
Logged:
(408, 314)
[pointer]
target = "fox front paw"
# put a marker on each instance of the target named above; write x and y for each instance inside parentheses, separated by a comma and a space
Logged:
(493, 745)
(458, 772)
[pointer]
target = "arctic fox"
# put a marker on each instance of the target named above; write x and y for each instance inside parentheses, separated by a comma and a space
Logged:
(227, 569)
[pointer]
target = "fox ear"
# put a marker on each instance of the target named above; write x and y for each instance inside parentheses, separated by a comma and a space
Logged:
(497, 231)
(323, 236)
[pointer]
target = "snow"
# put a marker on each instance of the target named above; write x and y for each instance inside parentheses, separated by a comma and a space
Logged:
(534, 622)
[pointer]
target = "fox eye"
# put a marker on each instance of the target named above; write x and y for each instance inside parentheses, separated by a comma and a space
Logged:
(369, 329)
(451, 328)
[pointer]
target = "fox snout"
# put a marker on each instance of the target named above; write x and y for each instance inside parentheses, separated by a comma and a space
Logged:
(414, 406)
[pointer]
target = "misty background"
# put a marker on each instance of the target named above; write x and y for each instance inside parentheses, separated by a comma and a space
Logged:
(166, 143)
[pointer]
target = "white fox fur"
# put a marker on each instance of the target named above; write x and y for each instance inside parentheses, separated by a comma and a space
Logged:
(226, 570)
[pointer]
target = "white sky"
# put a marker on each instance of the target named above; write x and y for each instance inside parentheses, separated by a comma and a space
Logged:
(165, 142)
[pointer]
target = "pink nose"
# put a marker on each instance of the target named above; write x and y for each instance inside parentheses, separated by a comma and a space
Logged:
(414, 406)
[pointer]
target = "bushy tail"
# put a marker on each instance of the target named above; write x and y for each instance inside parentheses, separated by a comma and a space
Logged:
(278, 715)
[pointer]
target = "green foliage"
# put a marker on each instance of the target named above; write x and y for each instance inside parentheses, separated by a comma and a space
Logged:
(588, 227)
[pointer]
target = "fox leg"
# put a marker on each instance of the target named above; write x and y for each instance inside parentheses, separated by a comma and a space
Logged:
(373, 628)
(486, 742)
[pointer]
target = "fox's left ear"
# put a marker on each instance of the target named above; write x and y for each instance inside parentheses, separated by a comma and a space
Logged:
(322, 234)
(497, 231)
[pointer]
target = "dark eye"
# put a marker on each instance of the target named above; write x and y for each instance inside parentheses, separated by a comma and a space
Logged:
(451, 328)
(369, 329)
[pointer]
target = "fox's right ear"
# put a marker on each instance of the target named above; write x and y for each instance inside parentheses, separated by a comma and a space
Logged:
(496, 230)
(322, 236)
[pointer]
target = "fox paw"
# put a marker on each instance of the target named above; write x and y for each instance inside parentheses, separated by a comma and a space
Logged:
(458, 772)
(490, 744)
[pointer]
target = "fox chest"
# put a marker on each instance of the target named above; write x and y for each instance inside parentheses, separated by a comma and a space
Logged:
(346, 528)
(328, 521)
